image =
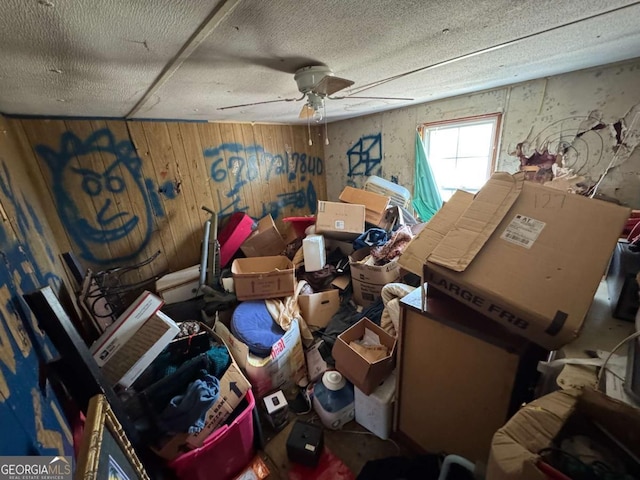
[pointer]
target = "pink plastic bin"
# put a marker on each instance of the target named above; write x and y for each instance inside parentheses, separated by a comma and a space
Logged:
(224, 453)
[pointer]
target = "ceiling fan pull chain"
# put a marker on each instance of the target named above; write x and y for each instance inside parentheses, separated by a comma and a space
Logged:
(326, 133)
(309, 130)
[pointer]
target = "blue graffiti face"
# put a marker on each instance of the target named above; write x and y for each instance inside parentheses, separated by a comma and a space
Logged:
(88, 199)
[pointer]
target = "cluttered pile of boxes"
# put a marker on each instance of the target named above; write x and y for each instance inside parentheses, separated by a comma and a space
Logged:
(509, 252)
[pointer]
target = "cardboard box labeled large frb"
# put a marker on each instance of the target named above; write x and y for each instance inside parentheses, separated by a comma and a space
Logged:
(340, 220)
(514, 449)
(528, 256)
(375, 204)
(358, 370)
(367, 279)
(265, 240)
(284, 368)
(233, 388)
(263, 277)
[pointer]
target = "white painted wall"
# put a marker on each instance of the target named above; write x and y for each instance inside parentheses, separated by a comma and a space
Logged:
(548, 109)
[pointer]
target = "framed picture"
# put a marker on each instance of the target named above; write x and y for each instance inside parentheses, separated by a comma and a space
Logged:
(105, 452)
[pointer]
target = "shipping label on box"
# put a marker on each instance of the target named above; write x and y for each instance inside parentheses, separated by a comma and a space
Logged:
(284, 368)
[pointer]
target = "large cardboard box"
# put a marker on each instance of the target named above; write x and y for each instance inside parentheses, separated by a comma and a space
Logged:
(233, 388)
(340, 220)
(318, 308)
(265, 240)
(528, 256)
(515, 447)
(358, 370)
(367, 279)
(375, 204)
(283, 369)
(263, 277)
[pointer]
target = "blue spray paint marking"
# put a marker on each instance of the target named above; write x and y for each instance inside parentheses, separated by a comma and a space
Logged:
(242, 166)
(169, 189)
(299, 199)
(20, 273)
(365, 157)
(394, 179)
(110, 225)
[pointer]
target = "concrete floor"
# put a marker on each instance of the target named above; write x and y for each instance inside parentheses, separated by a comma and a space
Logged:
(354, 445)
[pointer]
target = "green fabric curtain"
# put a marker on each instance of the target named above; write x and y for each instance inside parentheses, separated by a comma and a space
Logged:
(426, 196)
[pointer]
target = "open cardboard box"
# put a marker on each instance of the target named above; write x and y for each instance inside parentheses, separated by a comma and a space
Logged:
(265, 240)
(357, 369)
(528, 256)
(514, 449)
(259, 278)
(317, 309)
(233, 388)
(375, 204)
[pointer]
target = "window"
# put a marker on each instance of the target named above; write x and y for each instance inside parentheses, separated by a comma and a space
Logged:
(462, 152)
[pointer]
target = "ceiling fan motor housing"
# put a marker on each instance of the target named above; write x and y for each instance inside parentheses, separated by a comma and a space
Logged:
(308, 77)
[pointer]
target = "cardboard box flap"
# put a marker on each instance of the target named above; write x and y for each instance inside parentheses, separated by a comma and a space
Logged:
(425, 242)
(461, 244)
(375, 204)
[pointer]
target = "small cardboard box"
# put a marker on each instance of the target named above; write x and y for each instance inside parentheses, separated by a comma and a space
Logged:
(515, 447)
(284, 368)
(318, 308)
(265, 240)
(233, 388)
(137, 353)
(263, 277)
(528, 256)
(367, 279)
(340, 220)
(357, 369)
(375, 204)
(125, 326)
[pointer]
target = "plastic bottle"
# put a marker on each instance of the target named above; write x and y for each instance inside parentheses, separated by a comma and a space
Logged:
(333, 400)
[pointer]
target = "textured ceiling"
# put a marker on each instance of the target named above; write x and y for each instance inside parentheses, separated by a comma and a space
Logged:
(184, 59)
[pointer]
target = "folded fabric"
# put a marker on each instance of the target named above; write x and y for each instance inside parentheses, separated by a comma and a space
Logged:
(391, 294)
(187, 413)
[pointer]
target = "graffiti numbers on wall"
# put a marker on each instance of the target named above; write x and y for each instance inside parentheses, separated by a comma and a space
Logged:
(365, 158)
(75, 184)
(241, 164)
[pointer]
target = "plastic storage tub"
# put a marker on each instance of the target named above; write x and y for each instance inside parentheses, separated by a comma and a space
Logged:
(225, 453)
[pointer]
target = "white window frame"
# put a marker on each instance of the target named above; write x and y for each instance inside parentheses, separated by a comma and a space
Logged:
(494, 118)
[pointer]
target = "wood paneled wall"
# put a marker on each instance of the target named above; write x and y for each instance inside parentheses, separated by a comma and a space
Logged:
(31, 419)
(116, 192)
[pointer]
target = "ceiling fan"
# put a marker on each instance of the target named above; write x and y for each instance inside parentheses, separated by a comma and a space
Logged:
(316, 83)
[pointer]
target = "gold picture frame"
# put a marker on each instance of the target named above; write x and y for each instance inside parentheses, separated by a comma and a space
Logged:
(105, 451)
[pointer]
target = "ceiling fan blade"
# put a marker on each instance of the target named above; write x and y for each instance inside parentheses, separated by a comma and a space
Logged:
(306, 111)
(329, 84)
(260, 103)
(369, 98)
